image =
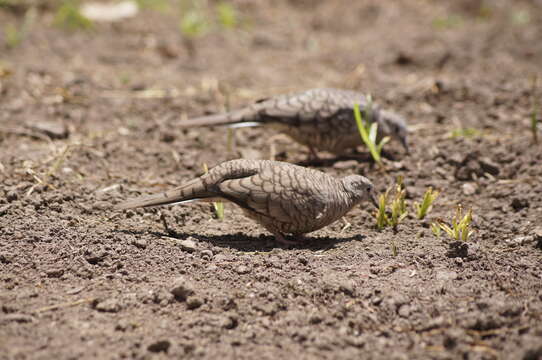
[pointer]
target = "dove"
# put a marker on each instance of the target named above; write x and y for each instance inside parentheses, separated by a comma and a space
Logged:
(322, 119)
(282, 197)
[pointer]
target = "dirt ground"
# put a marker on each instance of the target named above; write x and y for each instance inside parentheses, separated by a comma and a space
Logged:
(88, 119)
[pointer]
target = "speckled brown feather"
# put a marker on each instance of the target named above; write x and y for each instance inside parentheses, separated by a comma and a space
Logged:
(321, 119)
(284, 198)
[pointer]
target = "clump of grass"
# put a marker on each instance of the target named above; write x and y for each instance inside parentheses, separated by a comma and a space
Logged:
(427, 203)
(194, 23)
(435, 228)
(398, 208)
(465, 132)
(197, 18)
(218, 206)
(383, 219)
(69, 16)
(381, 216)
(535, 110)
(227, 15)
(15, 35)
(368, 132)
(398, 204)
(460, 229)
(520, 17)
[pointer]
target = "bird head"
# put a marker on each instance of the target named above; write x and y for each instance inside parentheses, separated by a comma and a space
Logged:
(360, 188)
(394, 125)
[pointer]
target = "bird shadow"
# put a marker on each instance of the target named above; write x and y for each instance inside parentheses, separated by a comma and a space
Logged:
(361, 157)
(246, 243)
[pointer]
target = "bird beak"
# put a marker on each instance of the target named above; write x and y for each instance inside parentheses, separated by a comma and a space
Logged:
(373, 200)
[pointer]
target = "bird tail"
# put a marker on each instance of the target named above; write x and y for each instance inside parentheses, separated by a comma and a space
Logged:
(192, 191)
(238, 118)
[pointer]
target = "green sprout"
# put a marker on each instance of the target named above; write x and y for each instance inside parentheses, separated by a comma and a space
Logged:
(69, 16)
(427, 203)
(460, 225)
(194, 24)
(227, 15)
(398, 207)
(368, 133)
(381, 216)
(398, 204)
(435, 228)
(535, 110)
(15, 35)
(218, 206)
(465, 133)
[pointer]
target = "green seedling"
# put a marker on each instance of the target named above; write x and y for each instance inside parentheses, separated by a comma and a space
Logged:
(381, 216)
(15, 35)
(218, 206)
(427, 203)
(398, 204)
(398, 207)
(535, 110)
(69, 16)
(435, 228)
(227, 15)
(465, 133)
(368, 133)
(383, 220)
(520, 17)
(193, 24)
(460, 225)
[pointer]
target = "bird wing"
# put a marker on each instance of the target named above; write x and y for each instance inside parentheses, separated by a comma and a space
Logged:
(274, 197)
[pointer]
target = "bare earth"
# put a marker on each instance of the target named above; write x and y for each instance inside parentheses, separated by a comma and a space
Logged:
(80, 280)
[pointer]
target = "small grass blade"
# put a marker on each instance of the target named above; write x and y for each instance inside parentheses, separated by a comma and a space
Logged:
(218, 206)
(382, 217)
(460, 225)
(427, 203)
(368, 133)
(435, 228)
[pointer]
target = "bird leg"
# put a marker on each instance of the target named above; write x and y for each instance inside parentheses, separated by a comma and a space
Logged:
(313, 155)
(346, 226)
(280, 238)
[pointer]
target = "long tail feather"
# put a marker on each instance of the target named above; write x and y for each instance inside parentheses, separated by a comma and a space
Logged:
(234, 118)
(194, 190)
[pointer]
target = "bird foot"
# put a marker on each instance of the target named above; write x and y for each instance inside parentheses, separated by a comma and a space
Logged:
(296, 240)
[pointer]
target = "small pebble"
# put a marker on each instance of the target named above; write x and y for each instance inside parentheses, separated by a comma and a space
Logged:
(182, 288)
(469, 189)
(108, 305)
(520, 240)
(242, 269)
(11, 196)
(229, 322)
(19, 318)
(140, 243)
(188, 245)
(193, 302)
(207, 254)
(55, 273)
(159, 346)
